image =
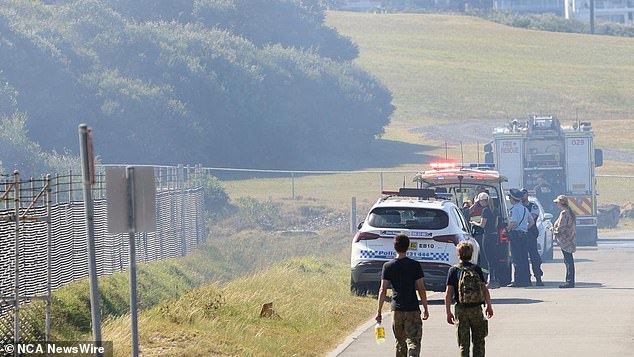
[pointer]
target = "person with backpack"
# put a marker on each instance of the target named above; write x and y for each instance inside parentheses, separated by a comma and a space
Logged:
(517, 229)
(467, 287)
(531, 239)
(405, 276)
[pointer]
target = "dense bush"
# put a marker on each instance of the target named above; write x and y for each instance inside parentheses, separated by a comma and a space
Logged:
(236, 82)
(216, 198)
(254, 214)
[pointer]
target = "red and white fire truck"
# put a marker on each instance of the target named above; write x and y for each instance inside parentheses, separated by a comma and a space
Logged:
(550, 159)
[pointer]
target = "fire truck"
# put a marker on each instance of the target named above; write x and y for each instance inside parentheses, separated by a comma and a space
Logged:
(549, 160)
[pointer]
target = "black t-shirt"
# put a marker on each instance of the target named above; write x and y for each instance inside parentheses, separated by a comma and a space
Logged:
(489, 227)
(402, 274)
(452, 277)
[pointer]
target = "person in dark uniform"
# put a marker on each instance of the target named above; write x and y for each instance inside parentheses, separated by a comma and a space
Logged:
(519, 219)
(544, 193)
(489, 242)
(531, 239)
(405, 275)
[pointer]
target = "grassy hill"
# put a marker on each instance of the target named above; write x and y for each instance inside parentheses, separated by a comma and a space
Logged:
(444, 69)
(454, 78)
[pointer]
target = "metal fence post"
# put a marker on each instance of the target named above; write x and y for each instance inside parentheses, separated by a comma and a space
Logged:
(292, 185)
(381, 182)
(180, 177)
(70, 186)
(16, 200)
(49, 253)
(56, 188)
(353, 215)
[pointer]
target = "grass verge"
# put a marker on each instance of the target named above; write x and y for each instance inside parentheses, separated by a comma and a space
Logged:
(310, 295)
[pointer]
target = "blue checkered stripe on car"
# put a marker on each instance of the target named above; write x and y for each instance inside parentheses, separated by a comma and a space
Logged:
(378, 254)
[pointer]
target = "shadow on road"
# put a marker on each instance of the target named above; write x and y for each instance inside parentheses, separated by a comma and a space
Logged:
(506, 301)
(561, 261)
(555, 285)
(515, 301)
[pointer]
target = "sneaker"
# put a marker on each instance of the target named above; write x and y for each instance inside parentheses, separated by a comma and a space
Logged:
(494, 284)
(567, 285)
(513, 285)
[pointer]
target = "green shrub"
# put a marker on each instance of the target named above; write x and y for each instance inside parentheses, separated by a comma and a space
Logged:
(253, 214)
(217, 202)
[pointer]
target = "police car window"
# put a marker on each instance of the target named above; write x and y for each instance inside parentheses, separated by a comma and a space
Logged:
(461, 221)
(412, 218)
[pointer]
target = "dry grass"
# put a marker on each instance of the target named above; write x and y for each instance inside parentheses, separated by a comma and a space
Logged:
(447, 68)
(310, 295)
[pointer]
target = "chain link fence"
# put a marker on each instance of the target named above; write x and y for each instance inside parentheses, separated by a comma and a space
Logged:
(43, 221)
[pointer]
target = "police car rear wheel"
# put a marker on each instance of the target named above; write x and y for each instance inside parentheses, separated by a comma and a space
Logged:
(358, 289)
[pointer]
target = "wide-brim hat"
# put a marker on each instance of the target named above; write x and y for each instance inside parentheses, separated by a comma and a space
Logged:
(561, 199)
(516, 194)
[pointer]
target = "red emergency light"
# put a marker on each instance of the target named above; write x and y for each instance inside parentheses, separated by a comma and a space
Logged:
(442, 165)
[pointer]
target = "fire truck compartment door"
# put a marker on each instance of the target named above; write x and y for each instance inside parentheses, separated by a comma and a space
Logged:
(510, 161)
(578, 161)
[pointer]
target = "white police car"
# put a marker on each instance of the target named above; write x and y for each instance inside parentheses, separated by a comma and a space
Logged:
(434, 225)
(545, 227)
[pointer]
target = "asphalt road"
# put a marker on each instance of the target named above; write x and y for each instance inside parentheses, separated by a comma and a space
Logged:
(594, 319)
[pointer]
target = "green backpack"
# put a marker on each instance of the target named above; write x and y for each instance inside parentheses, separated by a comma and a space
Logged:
(469, 286)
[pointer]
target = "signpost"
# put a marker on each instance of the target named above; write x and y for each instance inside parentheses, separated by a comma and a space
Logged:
(131, 201)
(85, 140)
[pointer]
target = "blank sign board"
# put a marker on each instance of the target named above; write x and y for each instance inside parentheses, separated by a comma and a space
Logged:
(144, 199)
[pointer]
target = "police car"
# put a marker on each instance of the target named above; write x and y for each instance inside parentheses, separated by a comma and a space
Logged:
(464, 182)
(434, 225)
(545, 227)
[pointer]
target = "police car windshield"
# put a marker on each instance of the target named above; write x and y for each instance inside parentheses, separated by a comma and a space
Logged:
(409, 217)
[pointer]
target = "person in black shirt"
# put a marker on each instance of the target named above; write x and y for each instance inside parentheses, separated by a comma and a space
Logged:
(405, 276)
(531, 239)
(489, 221)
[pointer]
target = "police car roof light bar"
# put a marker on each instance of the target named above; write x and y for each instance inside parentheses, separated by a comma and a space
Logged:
(425, 193)
(477, 166)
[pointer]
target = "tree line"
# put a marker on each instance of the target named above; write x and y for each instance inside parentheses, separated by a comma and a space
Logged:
(260, 83)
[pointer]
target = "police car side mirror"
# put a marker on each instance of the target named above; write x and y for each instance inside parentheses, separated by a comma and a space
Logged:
(548, 216)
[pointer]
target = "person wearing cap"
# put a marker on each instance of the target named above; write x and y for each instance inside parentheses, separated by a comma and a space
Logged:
(566, 236)
(489, 222)
(476, 209)
(519, 219)
(531, 239)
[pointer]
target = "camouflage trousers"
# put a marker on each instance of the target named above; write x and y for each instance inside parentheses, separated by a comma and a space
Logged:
(408, 331)
(471, 325)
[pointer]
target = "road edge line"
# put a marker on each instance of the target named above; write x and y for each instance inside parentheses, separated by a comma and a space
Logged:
(360, 330)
